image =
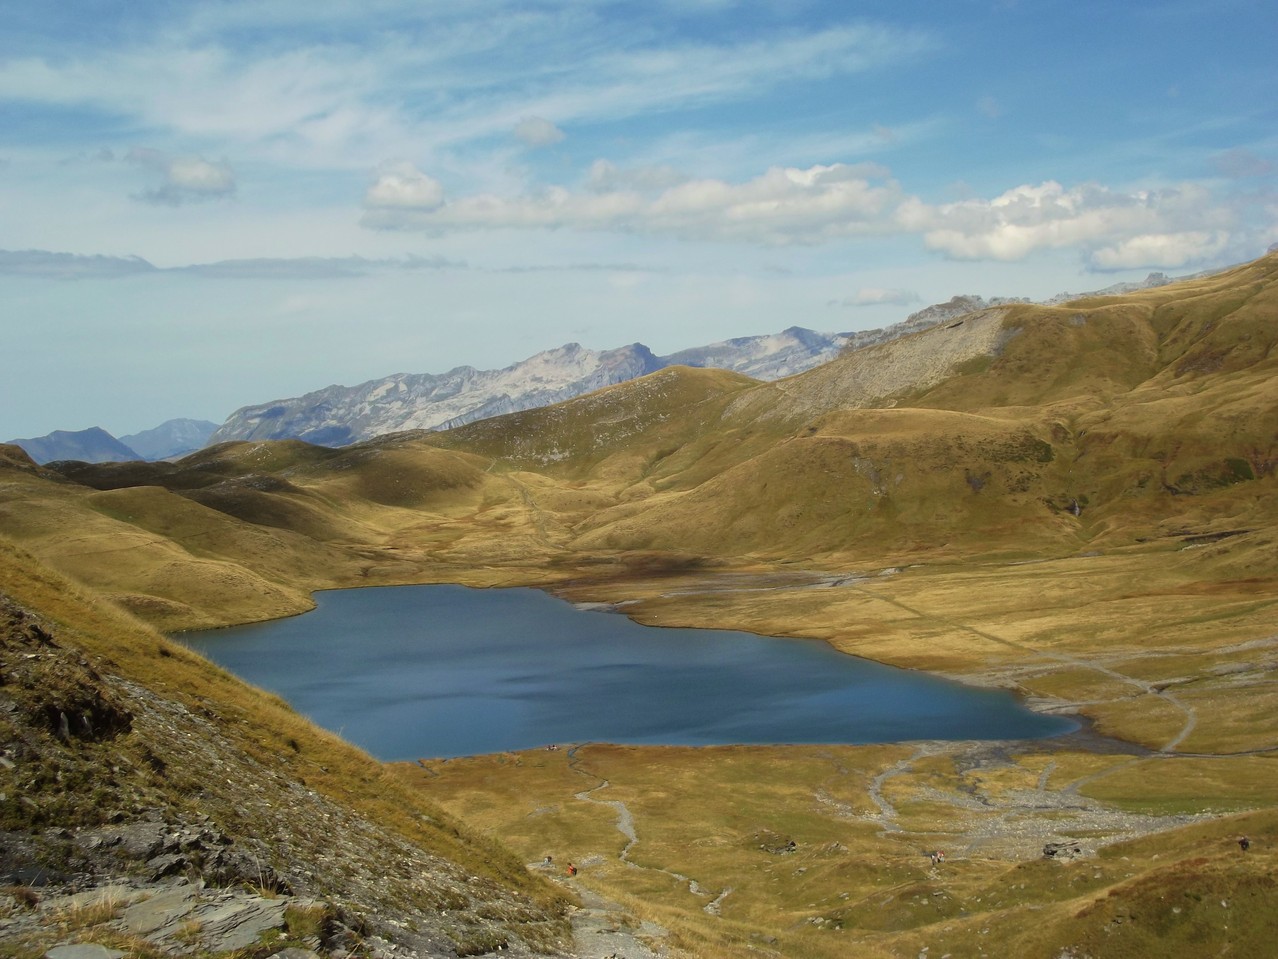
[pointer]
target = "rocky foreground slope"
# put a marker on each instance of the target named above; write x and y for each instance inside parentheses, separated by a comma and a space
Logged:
(150, 803)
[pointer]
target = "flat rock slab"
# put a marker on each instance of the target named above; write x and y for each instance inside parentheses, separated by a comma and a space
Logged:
(84, 950)
(162, 910)
(601, 931)
(117, 896)
(223, 921)
(238, 924)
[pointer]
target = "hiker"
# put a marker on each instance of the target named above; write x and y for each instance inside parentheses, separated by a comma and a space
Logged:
(572, 870)
(1244, 843)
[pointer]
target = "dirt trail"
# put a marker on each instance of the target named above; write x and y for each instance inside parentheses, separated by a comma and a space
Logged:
(626, 826)
(625, 821)
(887, 815)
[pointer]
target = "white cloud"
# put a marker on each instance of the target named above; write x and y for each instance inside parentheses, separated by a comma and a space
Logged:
(184, 178)
(781, 206)
(536, 132)
(1165, 249)
(401, 186)
(195, 175)
(1110, 227)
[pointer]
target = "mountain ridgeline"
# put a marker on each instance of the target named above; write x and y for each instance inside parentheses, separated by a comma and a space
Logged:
(340, 415)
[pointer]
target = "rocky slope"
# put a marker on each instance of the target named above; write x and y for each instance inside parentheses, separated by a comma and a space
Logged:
(152, 805)
(338, 415)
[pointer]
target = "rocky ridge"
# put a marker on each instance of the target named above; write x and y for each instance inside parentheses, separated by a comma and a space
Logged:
(339, 415)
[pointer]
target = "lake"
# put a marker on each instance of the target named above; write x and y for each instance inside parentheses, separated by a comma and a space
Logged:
(411, 672)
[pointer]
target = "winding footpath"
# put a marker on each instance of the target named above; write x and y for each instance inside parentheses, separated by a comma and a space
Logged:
(626, 826)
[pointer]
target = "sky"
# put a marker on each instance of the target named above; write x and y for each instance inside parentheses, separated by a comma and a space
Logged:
(206, 205)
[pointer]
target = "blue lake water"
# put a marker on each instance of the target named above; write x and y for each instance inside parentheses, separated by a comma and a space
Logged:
(410, 672)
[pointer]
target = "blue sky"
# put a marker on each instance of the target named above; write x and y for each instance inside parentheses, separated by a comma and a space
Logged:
(206, 205)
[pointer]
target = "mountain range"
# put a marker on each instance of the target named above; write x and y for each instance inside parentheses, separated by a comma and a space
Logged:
(171, 438)
(340, 415)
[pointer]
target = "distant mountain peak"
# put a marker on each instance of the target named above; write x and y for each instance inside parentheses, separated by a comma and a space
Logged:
(94, 445)
(171, 438)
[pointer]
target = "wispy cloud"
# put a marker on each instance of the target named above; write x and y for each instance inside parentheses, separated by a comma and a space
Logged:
(780, 206)
(538, 132)
(1240, 163)
(313, 268)
(381, 86)
(989, 107)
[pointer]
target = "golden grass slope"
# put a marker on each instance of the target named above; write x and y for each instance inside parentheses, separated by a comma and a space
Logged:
(1073, 422)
